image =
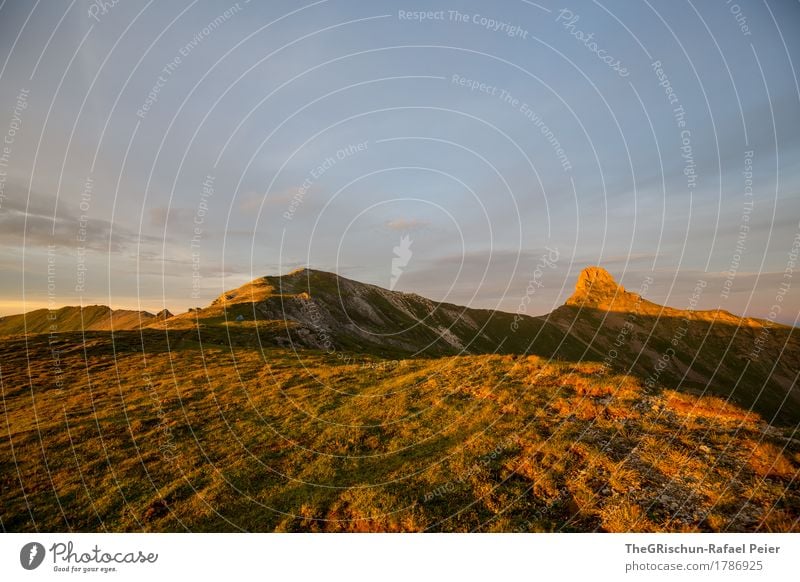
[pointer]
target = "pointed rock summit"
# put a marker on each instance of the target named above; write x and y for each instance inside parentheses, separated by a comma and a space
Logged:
(597, 288)
(164, 314)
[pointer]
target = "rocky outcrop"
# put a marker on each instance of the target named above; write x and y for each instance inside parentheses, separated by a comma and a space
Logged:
(597, 288)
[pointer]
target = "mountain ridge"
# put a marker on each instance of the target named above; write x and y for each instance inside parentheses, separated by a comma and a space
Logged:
(594, 288)
(697, 351)
(77, 318)
(692, 351)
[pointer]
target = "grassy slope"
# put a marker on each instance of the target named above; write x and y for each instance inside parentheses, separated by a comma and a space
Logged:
(183, 438)
(699, 352)
(65, 319)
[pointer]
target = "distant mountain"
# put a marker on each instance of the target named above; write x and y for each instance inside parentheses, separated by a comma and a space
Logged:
(75, 318)
(318, 310)
(752, 362)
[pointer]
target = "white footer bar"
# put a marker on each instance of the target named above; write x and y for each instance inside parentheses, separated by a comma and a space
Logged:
(389, 557)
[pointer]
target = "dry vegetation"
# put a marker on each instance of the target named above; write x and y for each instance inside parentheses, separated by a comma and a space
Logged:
(183, 437)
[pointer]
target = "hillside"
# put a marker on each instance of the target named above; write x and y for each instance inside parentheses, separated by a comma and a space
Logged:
(748, 361)
(310, 402)
(73, 318)
(310, 309)
(695, 351)
(214, 439)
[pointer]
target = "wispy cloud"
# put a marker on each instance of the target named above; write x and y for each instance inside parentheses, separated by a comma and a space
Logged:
(406, 225)
(36, 222)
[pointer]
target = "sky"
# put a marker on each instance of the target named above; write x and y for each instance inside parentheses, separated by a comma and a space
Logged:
(157, 154)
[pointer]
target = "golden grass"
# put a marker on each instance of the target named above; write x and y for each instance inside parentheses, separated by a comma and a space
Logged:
(780, 521)
(707, 407)
(623, 478)
(223, 439)
(767, 460)
(625, 516)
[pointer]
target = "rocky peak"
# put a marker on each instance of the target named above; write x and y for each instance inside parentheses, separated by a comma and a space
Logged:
(596, 287)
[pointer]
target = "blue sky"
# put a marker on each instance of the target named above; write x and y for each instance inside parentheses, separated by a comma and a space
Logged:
(329, 130)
